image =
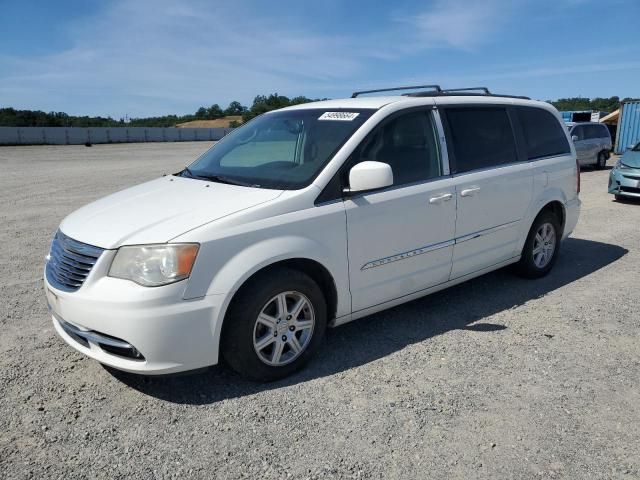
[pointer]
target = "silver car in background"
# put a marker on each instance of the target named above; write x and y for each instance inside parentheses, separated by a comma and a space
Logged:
(592, 142)
(624, 179)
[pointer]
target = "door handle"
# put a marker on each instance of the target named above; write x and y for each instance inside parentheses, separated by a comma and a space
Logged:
(469, 192)
(439, 198)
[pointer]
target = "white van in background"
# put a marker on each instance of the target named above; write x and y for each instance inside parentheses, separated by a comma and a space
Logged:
(310, 216)
(592, 142)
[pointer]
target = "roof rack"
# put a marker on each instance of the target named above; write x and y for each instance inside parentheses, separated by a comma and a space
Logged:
(437, 91)
(433, 87)
(469, 89)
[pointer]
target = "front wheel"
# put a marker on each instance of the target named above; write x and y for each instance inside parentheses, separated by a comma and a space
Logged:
(540, 250)
(275, 325)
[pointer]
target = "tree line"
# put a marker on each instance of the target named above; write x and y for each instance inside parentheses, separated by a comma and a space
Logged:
(598, 104)
(10, 117)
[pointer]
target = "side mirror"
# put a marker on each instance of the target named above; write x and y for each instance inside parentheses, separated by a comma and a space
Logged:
(369, 176)
(630, 147)
(574, 138)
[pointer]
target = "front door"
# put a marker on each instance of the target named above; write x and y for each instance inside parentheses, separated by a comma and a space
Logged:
(400, 239)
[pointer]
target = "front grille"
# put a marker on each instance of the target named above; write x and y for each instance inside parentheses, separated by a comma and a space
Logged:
(70, 262)
(630, 190)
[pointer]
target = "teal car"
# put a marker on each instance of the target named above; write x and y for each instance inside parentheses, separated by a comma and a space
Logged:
(624, 180)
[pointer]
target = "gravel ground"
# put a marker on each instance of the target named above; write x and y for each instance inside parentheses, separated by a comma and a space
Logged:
(496, 378)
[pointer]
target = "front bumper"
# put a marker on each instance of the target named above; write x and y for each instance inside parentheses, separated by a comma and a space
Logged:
(165, 333)
(625, 182)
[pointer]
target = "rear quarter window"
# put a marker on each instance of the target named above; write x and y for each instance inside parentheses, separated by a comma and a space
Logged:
(543, 133)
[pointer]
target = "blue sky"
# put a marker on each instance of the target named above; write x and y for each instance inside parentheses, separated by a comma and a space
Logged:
(154, 57)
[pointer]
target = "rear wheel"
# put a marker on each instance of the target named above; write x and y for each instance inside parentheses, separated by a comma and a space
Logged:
(602, 160)
(275, 325)
(540, 250)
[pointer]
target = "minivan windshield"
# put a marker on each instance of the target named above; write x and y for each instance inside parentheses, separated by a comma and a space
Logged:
(281, 150)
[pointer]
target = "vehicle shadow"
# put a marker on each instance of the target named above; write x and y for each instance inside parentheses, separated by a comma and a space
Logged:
(629, 200)
(374, 337)
(586, 169)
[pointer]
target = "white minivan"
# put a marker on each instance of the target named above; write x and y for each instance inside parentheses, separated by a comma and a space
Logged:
(312, 216)
(592, 142)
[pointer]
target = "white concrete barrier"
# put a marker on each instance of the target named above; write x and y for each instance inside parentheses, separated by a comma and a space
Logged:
(80, 136)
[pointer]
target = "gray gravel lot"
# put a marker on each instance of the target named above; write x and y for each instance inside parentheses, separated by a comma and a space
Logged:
(497, 378)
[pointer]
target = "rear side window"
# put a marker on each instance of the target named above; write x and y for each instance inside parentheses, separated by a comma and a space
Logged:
(480, 137)
(579, 132)
(590, 132)
(543, 134)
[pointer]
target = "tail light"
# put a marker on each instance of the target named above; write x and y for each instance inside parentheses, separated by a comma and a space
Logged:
(577, 176)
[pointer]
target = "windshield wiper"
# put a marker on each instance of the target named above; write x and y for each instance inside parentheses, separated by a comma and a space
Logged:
(227, 180)
(216, 178)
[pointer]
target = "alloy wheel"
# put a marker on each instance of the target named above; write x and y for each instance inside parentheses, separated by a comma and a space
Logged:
(544, 245)
(284, 328)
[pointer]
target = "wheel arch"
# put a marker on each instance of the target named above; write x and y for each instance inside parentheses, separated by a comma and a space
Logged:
(557, 208)
(313, 268)
(553, 204)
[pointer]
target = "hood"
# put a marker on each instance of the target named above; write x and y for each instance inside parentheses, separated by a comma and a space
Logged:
(631, 159)
(159, 210)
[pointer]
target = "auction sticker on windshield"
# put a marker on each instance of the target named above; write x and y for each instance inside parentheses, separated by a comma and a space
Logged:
(342, 116)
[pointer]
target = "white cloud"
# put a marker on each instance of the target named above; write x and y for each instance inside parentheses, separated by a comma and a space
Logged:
(460, 24)
(159, 56)
(152, 57)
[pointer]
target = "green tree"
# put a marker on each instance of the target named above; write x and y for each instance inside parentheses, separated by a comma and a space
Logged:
(263, 104)
(214, 111)
(581, 103)
(235, 108)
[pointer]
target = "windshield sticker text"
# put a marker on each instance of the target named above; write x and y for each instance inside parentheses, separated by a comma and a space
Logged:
(342, 116)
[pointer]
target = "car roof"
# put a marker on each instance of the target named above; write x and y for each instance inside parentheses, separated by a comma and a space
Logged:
(377, 102)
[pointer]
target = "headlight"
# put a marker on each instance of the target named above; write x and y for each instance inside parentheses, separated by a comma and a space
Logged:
(154, 265)
(618, 164)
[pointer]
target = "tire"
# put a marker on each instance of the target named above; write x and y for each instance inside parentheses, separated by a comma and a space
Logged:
(601, 163)
(619, 198)
(530, 264)
(277, 344)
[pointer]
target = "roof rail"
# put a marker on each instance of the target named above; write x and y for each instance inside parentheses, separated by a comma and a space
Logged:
(433, 87)
(437, 91)
(469, 89)
(468, 92)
